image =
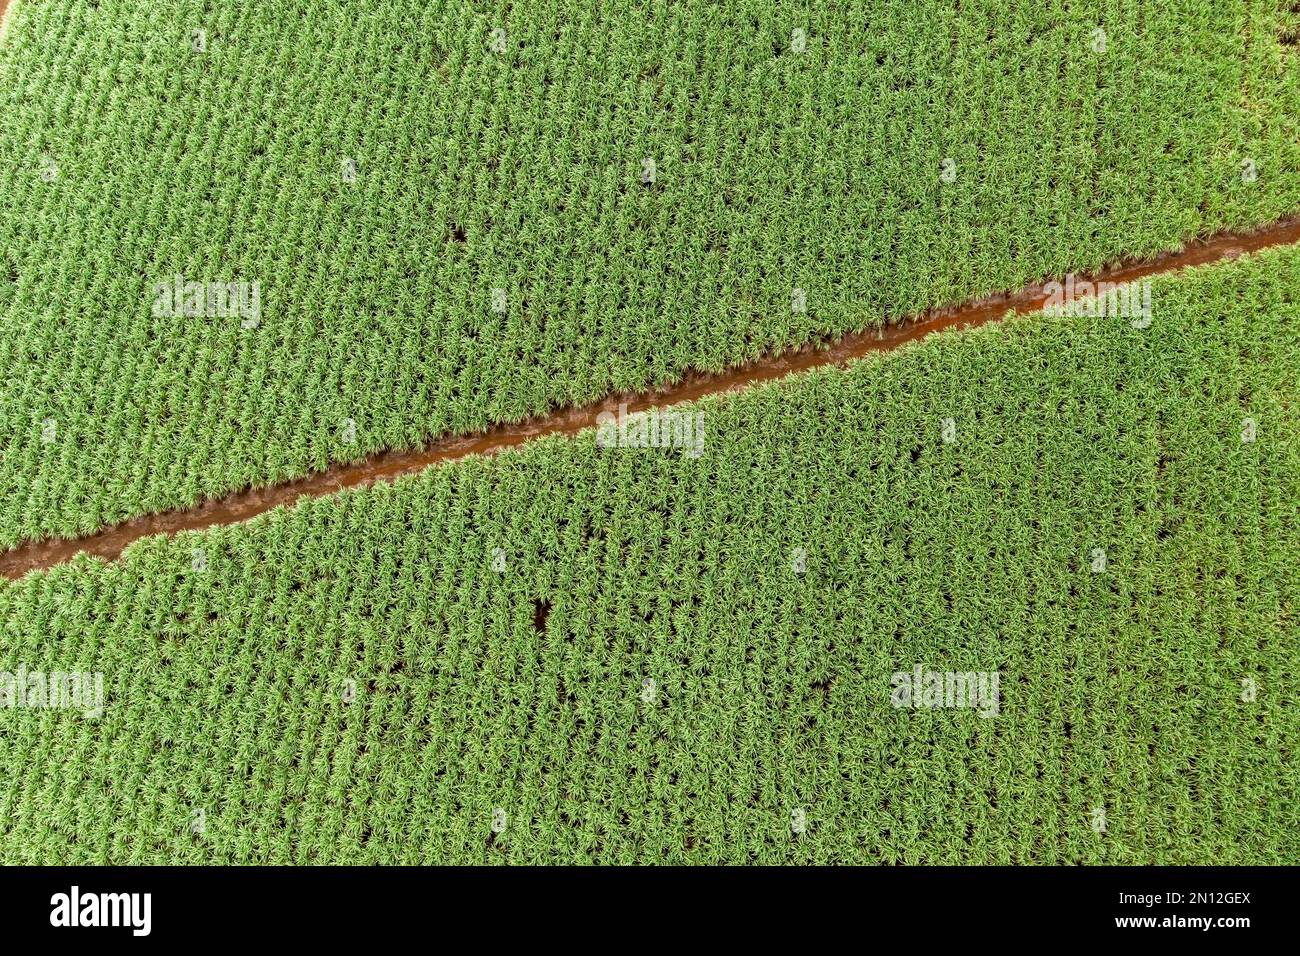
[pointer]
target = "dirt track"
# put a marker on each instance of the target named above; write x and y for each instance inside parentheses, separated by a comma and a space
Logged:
(110, 542)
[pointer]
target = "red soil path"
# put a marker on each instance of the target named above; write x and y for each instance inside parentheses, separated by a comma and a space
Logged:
(110, 542)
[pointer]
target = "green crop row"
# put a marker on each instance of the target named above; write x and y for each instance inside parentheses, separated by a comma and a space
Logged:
(580, 653)
(651, 187)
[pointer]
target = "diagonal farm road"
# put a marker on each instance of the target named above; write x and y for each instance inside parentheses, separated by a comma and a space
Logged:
(109, 543)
